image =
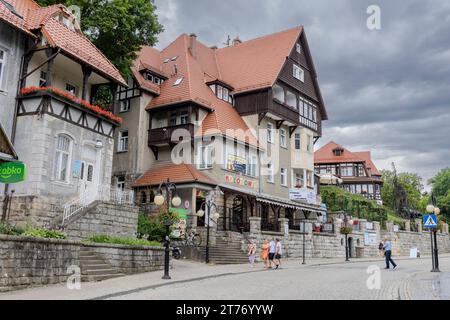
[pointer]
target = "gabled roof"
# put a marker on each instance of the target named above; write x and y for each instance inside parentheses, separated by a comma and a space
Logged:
(325, 155)
(182, 173)
(73, 43)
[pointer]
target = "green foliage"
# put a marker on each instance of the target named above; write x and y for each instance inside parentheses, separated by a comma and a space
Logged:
(338, 199)
(103, 98)
(411, 182)
(43, 233)
(117, 27)
(7, 229)
(441, 190)
(153, 228)
(345, 230)
(124, 241)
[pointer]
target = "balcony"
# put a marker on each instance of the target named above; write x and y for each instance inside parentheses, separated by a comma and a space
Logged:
(163, 136)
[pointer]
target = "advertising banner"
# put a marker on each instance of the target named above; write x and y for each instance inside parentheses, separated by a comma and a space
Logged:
(236, 163)
(179, 228)
(302, 194)
(12, 172)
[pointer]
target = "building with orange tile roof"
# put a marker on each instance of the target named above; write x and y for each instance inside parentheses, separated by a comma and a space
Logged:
(356, 169)
(49, 75)
(245, 118)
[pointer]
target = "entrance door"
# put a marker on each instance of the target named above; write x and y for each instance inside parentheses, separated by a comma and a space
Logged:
(89, 174)
(239, 214)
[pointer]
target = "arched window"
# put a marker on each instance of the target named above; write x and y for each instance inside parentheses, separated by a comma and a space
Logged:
(62, 158)
(278, 93)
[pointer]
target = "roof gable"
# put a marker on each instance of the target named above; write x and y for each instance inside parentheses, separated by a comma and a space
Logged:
(326, 155)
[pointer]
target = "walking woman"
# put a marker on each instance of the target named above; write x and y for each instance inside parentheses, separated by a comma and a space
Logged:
(265, 253)
(252, 253)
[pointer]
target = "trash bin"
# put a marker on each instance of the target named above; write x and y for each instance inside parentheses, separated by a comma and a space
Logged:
(360, 252)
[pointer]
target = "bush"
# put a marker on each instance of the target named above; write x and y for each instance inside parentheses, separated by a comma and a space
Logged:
(153, 228)
(43, 233)
(124, 241)
(7, 229)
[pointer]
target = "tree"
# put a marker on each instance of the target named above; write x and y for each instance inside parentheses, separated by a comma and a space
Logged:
(441, 190)
(117, 27)
(411, 182)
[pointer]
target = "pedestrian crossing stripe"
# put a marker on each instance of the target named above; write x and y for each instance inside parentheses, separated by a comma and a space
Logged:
(430, 221)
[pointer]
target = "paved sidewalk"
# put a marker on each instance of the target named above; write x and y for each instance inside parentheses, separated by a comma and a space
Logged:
(182, 271)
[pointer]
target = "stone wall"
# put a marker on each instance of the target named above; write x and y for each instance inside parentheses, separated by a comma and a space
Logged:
(130, 259)
(107, 218)
(26, 262)
(332, 245)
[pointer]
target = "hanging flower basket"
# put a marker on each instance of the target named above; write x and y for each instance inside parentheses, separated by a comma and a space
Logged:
(68, 96)
(346, 230)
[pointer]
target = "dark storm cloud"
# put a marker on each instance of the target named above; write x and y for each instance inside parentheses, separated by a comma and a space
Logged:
(386, 90)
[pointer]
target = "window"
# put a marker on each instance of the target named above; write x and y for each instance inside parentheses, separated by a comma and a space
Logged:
(2, 65)
(125, 105)
(270, 133)
(219, 92)
(309, 143)
(291, 100)
(123, 141)
(309, 178)
(278, 93)
(298, 73)
(178, 81)
(225, 94)
(184, 117)
(173, 119)
(213, 88)
(283, 176)
(71, 89)
(158, 81)
(298, 141)
(283, 141)
(298, 47)
(206, 157)
(298, 180)
(251, 165)
(62, 158)
(270, 173)
(90, 173)
(121, 182)
(43, 79)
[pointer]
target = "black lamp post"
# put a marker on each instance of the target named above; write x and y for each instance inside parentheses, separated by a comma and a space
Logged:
(432, 209)
(176, 202)
(346, 220)
(303, 244)
(208, 204)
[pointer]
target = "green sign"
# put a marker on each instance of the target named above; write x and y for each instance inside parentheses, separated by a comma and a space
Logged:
(12, 172)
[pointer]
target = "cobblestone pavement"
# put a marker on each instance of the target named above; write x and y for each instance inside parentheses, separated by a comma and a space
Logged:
(318, 279)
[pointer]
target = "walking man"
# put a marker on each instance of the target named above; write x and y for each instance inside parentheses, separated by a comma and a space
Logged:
(387, 252)
(278, 253)
(272, 249)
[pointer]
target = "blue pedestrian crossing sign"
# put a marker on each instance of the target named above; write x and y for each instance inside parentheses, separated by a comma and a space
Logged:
(430, 221)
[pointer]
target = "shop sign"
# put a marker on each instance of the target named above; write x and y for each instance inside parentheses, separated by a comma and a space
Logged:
(236, 163)
(239, 181)
(12, 172)
(302, 194)
(179, 228)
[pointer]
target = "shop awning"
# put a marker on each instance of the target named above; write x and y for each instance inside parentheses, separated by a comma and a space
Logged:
(278, 201)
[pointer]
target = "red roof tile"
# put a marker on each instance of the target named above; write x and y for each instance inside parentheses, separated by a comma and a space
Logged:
(182, 173)
(73, 43)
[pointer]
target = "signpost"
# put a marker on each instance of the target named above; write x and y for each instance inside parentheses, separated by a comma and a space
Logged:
(12, 172)
(430, 221)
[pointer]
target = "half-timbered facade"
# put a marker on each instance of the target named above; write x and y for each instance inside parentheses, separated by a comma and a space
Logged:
(249, 115)
(356, 169)
(64, 138)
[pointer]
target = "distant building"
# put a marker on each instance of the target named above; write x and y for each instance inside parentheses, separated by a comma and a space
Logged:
(358, 173)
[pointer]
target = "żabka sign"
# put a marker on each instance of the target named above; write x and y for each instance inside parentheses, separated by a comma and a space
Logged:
(12, 172)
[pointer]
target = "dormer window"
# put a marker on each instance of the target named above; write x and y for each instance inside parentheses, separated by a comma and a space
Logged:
(221, 92)
(65, 20)
(338, 152)
(152, 78)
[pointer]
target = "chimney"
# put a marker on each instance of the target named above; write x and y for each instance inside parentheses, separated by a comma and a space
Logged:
(236, 41)
(213, 47)
(193, 44)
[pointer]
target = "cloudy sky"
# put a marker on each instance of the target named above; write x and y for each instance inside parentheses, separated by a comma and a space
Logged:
(385, 90)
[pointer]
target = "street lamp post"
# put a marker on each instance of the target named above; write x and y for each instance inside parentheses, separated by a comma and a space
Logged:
(431, 209)
(346, 222)
(304, 231)
(208, 204)
(176, 202)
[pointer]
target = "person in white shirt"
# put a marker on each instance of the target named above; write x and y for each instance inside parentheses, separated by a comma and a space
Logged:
(278, 253)
(272, 250)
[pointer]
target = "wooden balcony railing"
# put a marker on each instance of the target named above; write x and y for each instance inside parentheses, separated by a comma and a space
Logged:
(162, 136)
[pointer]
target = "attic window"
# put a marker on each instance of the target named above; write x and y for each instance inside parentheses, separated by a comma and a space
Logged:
(174, 58)
(167, 60)
(178, 81)
(338, 152)
(298, 47)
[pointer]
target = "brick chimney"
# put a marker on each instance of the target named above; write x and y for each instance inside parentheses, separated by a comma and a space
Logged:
(193, 44)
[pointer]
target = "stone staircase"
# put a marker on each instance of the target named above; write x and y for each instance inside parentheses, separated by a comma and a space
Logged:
(94, 268)
(226, 252)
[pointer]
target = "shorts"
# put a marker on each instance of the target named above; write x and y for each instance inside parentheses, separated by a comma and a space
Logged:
(278, 256)
(271, 255)
(251, 259)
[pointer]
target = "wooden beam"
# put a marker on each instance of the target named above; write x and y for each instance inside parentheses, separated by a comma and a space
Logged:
(291, 131)
(279, 123)
(86, 74)
(261, 117)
